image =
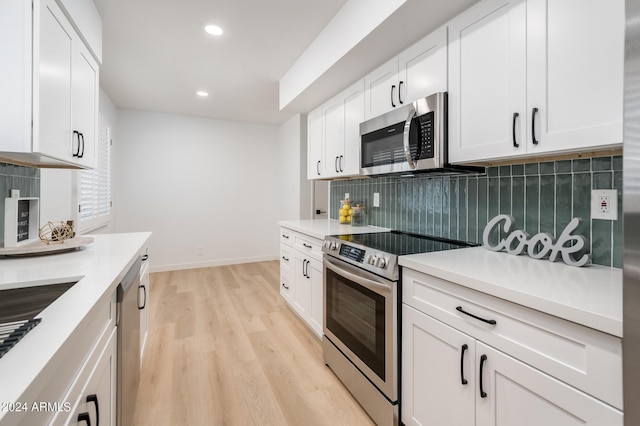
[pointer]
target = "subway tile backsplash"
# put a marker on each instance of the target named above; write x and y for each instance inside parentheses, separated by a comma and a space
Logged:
(26, 179)
(542, 197)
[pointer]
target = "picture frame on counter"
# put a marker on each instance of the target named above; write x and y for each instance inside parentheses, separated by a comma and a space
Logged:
(21, 220)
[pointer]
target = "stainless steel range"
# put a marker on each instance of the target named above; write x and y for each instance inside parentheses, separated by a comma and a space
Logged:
(362, 315)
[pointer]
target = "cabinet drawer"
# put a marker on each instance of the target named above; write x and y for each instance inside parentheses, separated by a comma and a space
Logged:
(286, 259)
(286, 287)
(286, 236)
(582, 357)
(309, 246)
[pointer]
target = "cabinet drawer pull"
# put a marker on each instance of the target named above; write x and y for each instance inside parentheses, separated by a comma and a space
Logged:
(393, 87)
(318, 168)
(76, 133)
(533, 126)
(492, 322)
(513, 128)
(286, 259)
(400, 92)
(144, 303)
(483, 359)
(336, 164)
(94, 398)
(81, 137)
(285, 236)
(307, 246)
(285, 286)
(84, 417)
(462, 379)
(341, 165)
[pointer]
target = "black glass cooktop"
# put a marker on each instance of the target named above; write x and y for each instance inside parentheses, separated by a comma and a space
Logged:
(400, 243)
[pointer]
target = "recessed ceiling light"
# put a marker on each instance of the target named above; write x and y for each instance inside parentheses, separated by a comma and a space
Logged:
(213, 29)
(202, 93)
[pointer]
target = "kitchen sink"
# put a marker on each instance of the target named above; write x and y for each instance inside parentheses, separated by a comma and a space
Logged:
(19, 304)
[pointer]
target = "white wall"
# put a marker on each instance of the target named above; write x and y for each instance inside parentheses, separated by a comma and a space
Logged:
(197, 182)
(295, 189)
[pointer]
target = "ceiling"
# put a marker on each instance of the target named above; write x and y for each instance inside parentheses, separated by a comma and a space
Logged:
(156, 54)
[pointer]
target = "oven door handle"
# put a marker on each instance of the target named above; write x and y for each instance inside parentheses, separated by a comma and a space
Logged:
(405, 138)
(375, 286)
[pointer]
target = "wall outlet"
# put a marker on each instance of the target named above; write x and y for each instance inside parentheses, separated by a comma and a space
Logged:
(604, 204)
(376, 199)
(199, 251)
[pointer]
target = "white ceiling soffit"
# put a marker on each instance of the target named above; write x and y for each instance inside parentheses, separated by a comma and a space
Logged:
(342, 55)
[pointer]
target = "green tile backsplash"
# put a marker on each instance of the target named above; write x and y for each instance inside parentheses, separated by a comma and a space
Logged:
(542, 197)
(26, 179)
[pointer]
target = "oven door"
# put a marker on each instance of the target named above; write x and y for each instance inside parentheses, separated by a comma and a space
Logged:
(361, 320)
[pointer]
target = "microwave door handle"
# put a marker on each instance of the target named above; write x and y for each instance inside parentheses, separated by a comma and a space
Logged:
(405, 138)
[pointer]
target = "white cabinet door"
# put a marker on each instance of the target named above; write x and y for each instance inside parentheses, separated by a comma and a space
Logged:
(53, 63)
(487, 86)
(517, 394)
(315, 150)
(302, 294)
(423, 67)
(436, 359)
(381, 89)
(333, 123)
(84, 104)
(575, 58)
(353, 116)
(143, 304)
(314, 273)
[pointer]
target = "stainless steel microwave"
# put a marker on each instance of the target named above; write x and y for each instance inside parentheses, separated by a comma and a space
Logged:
(407, 139)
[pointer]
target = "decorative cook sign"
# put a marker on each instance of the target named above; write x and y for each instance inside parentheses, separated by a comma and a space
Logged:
(540, 245)
(21, 221)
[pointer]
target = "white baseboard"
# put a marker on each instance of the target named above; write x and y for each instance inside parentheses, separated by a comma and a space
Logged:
(210, 263)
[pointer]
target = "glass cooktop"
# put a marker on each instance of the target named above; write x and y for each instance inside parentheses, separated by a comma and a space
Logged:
(400, 243)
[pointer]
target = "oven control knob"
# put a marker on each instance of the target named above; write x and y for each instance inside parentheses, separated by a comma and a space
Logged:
(371, 259)
(325, 244)
(333, 245)
(381, 262)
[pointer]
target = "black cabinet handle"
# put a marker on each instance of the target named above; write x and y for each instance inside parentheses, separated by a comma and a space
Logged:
(400, 92)
(76, 133)
(341, 158)
(305, 268)
(336, 164)
(307, 246)
(515, 142)
(94, 398)
(144, 303)
(533, 126)
(308, 263)
(84, 417)
(285, 236)
(318, 168)
(285, 286)
(492, 322)
(393, 87)
(483, 359)
(81, 137)
(145, 257)
(286, 259)
(462, 379)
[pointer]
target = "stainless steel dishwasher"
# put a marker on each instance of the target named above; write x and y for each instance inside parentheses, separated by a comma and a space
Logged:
(128, 322)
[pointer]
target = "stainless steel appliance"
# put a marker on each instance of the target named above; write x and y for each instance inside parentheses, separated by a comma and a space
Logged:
(128, 322)
(362, 297)
(631, 220)
(406, 139)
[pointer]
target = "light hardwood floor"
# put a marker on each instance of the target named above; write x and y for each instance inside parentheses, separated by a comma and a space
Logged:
(224, 349)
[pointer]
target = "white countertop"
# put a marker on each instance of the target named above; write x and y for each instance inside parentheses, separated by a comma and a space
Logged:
(591, 295)
(99, 269)
(320, 228)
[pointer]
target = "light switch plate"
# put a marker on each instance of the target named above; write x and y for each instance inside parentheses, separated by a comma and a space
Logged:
(376, 199)
(604, 204)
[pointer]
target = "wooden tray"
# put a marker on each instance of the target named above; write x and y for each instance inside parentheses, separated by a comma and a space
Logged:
(38, 248)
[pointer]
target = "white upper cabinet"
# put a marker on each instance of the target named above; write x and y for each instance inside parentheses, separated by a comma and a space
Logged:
(417, 72)
(534, 77)
(334, 135)
(50, 88)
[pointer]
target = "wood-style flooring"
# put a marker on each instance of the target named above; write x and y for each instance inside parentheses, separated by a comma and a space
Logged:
(224, 349)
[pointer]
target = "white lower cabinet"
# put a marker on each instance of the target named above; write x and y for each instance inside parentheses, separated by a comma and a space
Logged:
(515, 368)
(301, 276)
(143, 303)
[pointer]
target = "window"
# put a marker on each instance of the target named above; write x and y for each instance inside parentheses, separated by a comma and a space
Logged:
(94, 206)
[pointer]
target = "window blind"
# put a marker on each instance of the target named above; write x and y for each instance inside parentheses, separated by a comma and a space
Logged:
(94, 206)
